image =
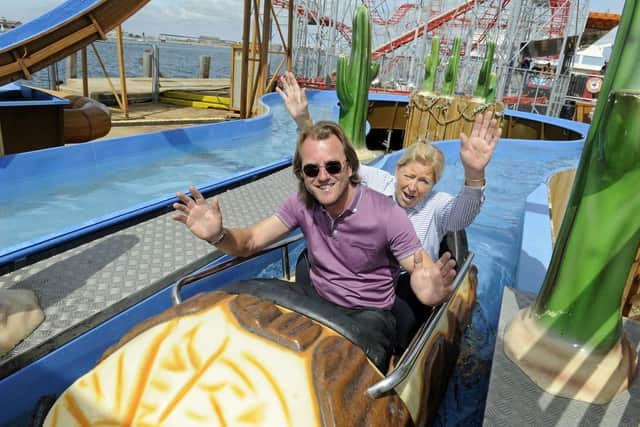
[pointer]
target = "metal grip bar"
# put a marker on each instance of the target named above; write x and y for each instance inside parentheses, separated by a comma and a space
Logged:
(412, 353)
(194, 277)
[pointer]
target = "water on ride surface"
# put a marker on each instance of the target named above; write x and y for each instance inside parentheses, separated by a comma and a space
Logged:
(516, 169)
(35, 211)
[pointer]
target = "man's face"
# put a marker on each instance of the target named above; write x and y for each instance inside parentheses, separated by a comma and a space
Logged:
(413, 181)
(329, 187)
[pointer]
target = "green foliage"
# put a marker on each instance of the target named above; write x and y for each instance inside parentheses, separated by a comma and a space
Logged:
(354, 77)
(490, 98)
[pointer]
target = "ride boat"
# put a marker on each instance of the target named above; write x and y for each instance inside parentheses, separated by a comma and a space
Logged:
(258, 352)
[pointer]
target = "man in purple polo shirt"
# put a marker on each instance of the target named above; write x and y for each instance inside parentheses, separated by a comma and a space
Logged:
(357, 238)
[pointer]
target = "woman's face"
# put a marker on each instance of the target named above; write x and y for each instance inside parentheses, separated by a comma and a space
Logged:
(413, 181)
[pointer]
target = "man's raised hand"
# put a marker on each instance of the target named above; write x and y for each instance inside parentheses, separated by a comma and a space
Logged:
(203, 220)
(432, 285)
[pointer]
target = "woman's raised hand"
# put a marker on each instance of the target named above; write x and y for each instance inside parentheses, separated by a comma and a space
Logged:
(476, 150)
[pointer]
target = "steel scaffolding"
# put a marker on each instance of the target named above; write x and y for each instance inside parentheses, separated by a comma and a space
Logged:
(547, 30)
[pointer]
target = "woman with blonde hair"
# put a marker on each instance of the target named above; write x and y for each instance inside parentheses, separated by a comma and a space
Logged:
(432, 213)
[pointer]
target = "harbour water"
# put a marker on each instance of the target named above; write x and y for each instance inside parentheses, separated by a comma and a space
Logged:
(177, 60)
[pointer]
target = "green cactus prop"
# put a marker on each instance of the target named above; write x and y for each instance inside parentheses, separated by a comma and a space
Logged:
(451, 72)
(580, 301)
(490, 98)
(586, 277)
(354, 76)
(483, 87)
(431, 63)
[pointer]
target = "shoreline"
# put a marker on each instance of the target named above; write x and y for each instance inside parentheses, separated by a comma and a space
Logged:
(158, 40)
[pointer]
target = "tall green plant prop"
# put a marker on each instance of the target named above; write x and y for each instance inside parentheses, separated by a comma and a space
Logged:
(483, 87)
(490, 98)
(431, 63)
(577, 316)
(354, 76)
(451, 72)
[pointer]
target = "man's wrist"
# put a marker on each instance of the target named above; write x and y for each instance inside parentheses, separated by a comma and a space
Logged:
(219, 239)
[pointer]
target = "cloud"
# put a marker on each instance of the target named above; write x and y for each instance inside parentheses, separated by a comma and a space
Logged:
(220, 18)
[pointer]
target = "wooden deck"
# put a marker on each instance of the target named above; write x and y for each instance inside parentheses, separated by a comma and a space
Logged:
(145, 116)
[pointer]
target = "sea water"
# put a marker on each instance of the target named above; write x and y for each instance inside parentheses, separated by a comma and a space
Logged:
(176, 60)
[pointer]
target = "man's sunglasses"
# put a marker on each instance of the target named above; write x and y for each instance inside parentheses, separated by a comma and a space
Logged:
(332, 167)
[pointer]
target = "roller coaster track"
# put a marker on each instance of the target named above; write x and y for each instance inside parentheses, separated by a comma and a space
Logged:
(559, 17)
(419, 31)
(491, 21)
(316, 19)
(397, 16)
(59, 33)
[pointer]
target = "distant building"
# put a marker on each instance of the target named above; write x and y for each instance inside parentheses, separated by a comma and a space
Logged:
(8, 24)
(592, 59)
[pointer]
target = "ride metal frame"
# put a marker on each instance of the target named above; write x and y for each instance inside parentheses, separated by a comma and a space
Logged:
(402, 34)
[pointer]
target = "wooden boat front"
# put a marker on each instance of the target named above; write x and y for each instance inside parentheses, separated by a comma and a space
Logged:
(248, 353)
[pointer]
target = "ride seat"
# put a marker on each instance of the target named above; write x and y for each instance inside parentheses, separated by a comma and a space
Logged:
(409, 312)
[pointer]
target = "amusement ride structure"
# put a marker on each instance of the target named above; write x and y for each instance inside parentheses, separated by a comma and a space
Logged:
(549, 30)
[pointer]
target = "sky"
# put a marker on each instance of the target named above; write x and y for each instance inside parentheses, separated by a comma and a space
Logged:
(218, 18)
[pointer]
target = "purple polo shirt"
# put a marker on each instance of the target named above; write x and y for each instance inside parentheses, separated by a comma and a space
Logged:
(354, 257)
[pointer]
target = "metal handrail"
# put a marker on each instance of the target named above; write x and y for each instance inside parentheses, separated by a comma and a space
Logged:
(194, 277)
(412, 353)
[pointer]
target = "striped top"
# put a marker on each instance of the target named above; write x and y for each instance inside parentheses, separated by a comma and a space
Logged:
(434, 215)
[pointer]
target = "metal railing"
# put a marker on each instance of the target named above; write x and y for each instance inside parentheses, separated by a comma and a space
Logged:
(199, 275)
(412, 354)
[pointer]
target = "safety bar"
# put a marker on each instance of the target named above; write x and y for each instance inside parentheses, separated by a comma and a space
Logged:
(194, 277)
(412, 353)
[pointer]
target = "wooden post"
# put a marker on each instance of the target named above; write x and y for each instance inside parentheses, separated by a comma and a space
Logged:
(253, 55)
(147, 63)
(53, 77)
(244, 75)
(85, 72)
(264, 50)
(123, 76)
(290, 38)
(72, 66)
(205, 64)
(155, 75)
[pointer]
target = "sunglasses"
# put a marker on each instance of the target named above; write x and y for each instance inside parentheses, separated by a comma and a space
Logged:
(332, 167)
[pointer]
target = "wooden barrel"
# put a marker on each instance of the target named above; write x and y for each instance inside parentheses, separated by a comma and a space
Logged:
(85, 119)
(435, 118)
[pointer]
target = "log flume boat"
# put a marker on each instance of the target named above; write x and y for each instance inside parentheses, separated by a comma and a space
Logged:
(256, 352)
